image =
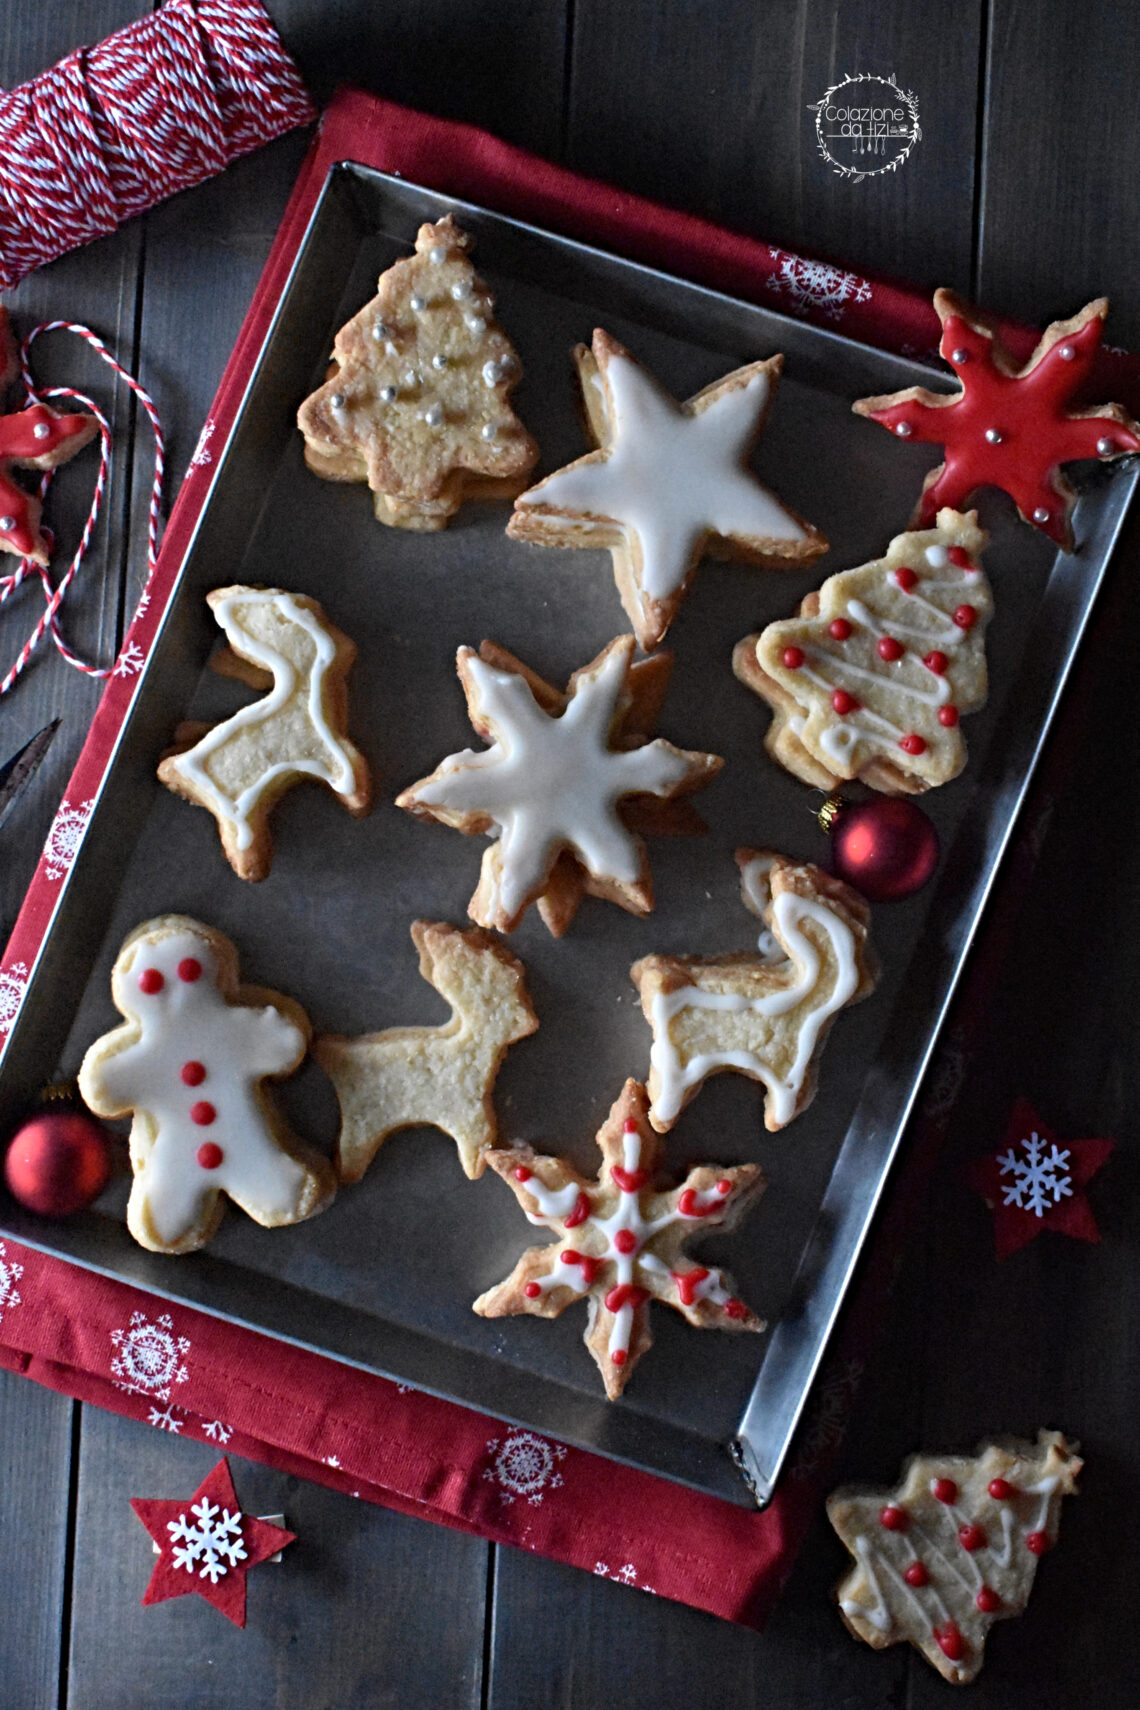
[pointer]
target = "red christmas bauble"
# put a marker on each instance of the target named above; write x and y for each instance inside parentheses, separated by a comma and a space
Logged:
(886, 847)
(58, 1162)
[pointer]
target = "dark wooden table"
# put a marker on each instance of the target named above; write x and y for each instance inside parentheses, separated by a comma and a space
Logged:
(1022, 193)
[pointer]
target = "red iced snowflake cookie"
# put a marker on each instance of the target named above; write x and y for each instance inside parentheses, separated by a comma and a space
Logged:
(36, 438)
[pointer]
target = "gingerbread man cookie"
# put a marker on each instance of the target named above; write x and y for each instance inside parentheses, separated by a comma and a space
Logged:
(187, 1064)
(418, 401)
(620, 1239)
(873, 677)
(441, 1077)
(953, 1548)
(1009, 427)
(668, 484)
(767, 1015)
(239, 768)
(553, 784)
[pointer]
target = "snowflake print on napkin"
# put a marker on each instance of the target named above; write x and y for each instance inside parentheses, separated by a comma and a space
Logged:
(1034, 1182)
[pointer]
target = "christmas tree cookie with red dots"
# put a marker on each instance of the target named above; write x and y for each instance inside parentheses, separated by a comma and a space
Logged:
(187, 1065)
(872, 678)
(620, 1238)
(418, 400)
(36, 438)
(1009, 427)
(953, 1548)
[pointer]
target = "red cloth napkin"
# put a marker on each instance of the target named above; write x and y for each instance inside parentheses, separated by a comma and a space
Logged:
(187, 1372)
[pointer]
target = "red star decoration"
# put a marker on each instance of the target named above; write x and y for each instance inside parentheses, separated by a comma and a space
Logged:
(1009, 427)
(258, 1539)
(1071, 1214)
(34, 439)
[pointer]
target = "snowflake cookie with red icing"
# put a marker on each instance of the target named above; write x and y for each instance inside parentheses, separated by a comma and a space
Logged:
(1009, 426)
(952, 1548)
(35, 438)
(620, 1238)
(557, 781)
(188, 1065)
(668, 484)
(872, 678)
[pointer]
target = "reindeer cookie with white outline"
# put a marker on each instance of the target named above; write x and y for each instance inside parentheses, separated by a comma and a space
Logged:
(439, 1077)
(188, 1064)
(238, 769)
(764, 1015)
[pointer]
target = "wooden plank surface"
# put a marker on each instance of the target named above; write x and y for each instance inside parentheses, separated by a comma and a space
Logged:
(35, 1486)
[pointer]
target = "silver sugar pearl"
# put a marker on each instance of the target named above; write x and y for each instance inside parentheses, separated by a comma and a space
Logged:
(1041, 515)
(438, 255)
(379, 330)
(417, 305)
(994, 435)
(492, 373)
(903, 429)
(439, 361)
(41, 430)
(1067, 355)
(489, 431)
(433, 416)
(959, 356)
(337, 401)
(1104, 447)
(411, 378)
(7, 524)
(461, 289)
(475, 324)
(389, 394)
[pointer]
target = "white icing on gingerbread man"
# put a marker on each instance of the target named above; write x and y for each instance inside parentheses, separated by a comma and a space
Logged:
(187, 1064)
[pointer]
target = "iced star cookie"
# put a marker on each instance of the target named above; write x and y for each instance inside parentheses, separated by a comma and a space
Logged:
(442, 1077)
(239, 768)
(555, 783)
(36, 438)
(872, 678)
(952, 1548)
(668, 484)
(1008, 426)
(764, 1015)
(418, 400)
(620, 1239)
(188, 1065)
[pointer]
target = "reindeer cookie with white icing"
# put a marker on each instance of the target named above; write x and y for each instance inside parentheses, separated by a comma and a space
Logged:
(668, 484)
(620, 1239)
(188, 1065)
(764, 1015)
(238, 769)
(439, 1077)
(873, 677)
(952, 1548)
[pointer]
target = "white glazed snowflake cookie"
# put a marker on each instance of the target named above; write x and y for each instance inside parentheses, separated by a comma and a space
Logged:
(668, 484)
(952, 1548)
(871, 679)
(238, 769)
(418, 400)
(554, 783)
(763, 1015)
(441, 1077)
(620, 1239)
(187, 1064)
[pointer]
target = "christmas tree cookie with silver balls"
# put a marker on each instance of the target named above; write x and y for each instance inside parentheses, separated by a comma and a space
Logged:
(417, 402)
(667, 485)
(872, 678)
(187, 1065)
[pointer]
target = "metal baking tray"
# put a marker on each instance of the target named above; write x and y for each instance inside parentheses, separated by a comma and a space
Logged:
(384, 1279)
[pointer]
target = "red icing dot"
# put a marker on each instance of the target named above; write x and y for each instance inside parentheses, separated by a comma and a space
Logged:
(890, 649)
(840, 629)
(965, 617)
(987, 1600)
(1038, 1542)
(906, 578)
(972, 1537)
(959, 556)
(1001, 1490)
(793, 658)
(894, 1518)
(189, 969)
(735, 1309)
(210, 1156)
(843, 702)
(619, 1356)
(936, 662)
(916, 1575)
(193, 1074)
(945, 1490)
(203, 1113)
(913, 744)
(625, 1241)
(521, 1173)
(950, 1641)
(948, 716)
(724, 1187)
(629, 1126)
(580, 1213)
(532, 1290)
(151, 981)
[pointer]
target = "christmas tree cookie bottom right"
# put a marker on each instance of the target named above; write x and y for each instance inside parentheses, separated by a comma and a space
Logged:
(873, 676)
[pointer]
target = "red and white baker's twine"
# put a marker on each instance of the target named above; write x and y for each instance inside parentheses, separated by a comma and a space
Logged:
(53, 597)
(117, 127)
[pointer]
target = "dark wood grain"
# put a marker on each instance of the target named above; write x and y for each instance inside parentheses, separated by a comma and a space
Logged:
(35, 1460)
